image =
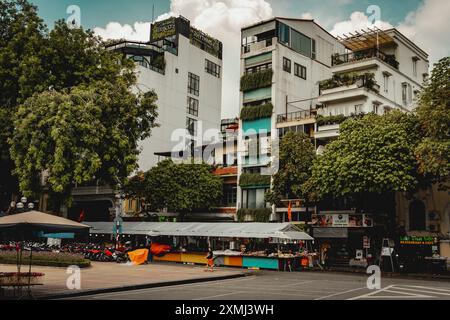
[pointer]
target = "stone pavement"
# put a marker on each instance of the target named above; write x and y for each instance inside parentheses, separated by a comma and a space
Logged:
(103, 275)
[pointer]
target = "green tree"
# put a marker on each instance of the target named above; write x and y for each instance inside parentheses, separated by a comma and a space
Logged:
(181, 188)
(371, 160)
(22, 36)
(296, 156)
(33, 60)
(90, 132)
(433, 153)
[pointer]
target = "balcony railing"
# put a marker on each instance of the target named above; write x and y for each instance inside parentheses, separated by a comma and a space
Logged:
(338, 59)
(295, 116)
(366, 80)
(256, 45)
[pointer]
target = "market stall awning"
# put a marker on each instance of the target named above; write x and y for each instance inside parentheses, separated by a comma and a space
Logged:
(203, 229)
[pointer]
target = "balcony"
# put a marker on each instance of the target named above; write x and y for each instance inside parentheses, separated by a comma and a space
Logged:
(258, 46)
(296, 116)
(256, 80)
(362, 55)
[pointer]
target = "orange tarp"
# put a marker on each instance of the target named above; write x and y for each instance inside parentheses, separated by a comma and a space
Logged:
(158, 249)
(139, 256)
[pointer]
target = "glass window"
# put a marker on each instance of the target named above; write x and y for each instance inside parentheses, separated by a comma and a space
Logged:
(284, 33)
(300, 71)
(212, 68)
(192, 106)
(191, 126)
(313, 45)
(358, 108)
(404, 92)
(286, 64)
(229, 195)
(301, 43)
(193, 84)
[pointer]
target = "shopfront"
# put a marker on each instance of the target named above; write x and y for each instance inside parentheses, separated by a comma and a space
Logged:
(345, 239)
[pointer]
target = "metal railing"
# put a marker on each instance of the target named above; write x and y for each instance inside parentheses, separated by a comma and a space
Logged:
(338, 59)
(263, 43)
(297, 115)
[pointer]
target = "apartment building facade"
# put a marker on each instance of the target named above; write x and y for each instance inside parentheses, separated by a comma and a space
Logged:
(183, 65)
(282, 60)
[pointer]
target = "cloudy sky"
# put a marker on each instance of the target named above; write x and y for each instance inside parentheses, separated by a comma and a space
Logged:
(424, 21)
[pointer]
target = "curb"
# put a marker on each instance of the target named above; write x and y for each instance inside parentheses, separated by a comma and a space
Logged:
(138, 287)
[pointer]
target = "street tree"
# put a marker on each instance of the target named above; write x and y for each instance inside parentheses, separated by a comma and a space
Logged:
(372, 158)
(433, 111)
(34, 59)
(178, 187)
(79, 135)
(296, 156)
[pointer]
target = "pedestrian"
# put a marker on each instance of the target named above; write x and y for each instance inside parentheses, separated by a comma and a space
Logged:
(210, 260)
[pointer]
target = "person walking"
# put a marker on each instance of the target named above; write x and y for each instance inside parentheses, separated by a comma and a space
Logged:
(210, 259)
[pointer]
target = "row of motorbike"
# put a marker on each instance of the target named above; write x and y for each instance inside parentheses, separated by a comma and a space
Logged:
(93, 252)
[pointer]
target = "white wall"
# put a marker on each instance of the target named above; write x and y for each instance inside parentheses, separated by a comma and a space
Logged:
(171, 89)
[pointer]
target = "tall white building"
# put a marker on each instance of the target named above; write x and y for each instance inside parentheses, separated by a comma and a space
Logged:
(380, 71)
(183, 66)
(282, 62)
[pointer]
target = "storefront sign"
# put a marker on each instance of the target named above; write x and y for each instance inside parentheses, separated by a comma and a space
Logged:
(210, 44)
(343, 220)
(411, 240)
(366, 242)
(163, 29)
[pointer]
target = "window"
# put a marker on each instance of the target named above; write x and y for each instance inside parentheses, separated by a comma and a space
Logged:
(358, 108)
(284, 33)
(193, 84)
(259, 68)
(301, 43)
(415, 67)
(192, 106)
(375, 108)
(300, 71)
(191, 126)
(386, 82)
(313, 49)
(286, 65)
(212, 68)
(404, 92)
(229, 195)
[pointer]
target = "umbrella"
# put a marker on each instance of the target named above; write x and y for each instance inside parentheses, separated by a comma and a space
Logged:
(25, 223)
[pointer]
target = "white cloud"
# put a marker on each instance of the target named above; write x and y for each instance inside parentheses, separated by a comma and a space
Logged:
(114, 30)
(358, 20)
(428, 27)
(222, 19)
(307, 15)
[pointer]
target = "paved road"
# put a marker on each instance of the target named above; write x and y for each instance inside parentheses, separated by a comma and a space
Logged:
(265, 285)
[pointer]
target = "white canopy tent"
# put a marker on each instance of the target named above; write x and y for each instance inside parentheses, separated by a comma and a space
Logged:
(286, 231)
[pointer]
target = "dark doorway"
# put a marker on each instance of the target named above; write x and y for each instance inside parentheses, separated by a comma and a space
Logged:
(94, 211)
(417, 216)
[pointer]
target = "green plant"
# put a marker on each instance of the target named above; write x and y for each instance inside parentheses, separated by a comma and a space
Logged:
(256, 112)
(50, 259)
(347, 79)
(159, 62)
(329, 120)
(256, 80)
(258, 215)
(337, 59)
(253, 180)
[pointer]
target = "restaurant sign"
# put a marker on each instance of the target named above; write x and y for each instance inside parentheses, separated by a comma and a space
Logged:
(163, 29)
(411, 240)
(343, 220)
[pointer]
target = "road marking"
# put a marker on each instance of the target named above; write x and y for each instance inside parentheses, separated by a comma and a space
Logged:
(339, 293)
(404, 292)
(429, 290)
(218, 295)
(433, 288)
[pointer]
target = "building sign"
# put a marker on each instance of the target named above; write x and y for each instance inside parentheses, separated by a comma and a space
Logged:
(205, 42)
(366, 242)
(343, 220)
(163, 29)
(411, 240)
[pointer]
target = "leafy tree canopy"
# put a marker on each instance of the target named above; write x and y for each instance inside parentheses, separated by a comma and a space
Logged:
(78, 135)
(296, 156)
(374, 154)
(181, 188)
(433, 153)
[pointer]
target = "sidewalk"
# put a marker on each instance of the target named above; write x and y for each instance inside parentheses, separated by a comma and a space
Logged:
(107, 277)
